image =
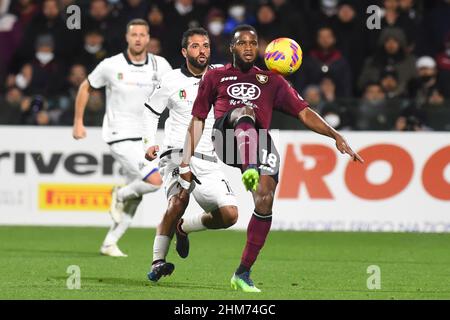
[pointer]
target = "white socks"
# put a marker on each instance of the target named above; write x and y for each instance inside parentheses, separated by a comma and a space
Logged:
(135, 189)
(193, 223)
(117, 230)
(160, 247)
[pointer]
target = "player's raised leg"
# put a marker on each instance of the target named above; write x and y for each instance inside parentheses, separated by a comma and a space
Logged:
(221, 218)
(257, 231)
(243, 122)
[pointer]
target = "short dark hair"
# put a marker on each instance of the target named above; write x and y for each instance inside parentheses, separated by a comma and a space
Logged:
(189, 33)
(138, 22)
(240, 28)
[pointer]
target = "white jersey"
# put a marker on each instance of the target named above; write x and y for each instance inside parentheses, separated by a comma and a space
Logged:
(127, 85)
(177, 92)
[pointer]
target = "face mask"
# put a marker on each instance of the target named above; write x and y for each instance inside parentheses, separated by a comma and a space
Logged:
(215, 27)
(44, 57)
(425, 79)
(237, 12)
(92, 49)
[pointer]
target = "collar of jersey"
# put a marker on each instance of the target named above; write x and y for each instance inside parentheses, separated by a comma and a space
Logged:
(125, 54)
(229, 66)
(187, 73)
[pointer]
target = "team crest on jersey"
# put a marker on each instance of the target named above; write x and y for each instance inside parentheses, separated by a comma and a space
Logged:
(120, 76)
(182, 94)
(262, 78)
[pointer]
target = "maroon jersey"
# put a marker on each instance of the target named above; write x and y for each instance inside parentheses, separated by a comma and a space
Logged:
(228, 87)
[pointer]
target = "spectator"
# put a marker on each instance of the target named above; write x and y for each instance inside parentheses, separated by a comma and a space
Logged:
(426, 83)
(43, 75)
(154, 46)
(10, 109)
(100, 18)
(237, 14)
(391, 55)
(326, 60)
(443, 65)
(76, 76)
(375, 112)
(327, 10)
(10, 37)
(186, 15)
(293, 23)
(25, 10)
(335, 114)
(93, 115)
(215, 23)
(48, 21)
(267, 22)
(93, 50)
(35, 111)
(350, 35)
(436, 25)
(133, 9)
(155, 18)
(314, 98)
(412, 119)
(389, 84)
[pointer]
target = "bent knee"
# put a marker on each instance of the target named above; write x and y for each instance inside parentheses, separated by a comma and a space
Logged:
(264, 202)
(229, 216)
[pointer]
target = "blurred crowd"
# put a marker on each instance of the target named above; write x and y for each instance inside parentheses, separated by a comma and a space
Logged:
(393, 78)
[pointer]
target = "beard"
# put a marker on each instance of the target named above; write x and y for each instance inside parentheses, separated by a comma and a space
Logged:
(193, 61)
(136, 53)
(243, 65)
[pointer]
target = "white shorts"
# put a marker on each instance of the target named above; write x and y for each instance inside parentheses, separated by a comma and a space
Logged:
(131, 157)
(214, 191)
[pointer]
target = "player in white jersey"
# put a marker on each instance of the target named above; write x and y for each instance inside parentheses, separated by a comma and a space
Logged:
(177, 92)
(129, 78)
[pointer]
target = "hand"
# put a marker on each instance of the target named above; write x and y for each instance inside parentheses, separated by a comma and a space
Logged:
(79, 131)
(343, 147)
(186, 177)
(152, 153)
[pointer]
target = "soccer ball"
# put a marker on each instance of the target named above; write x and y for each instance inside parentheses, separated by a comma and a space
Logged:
(283, 56)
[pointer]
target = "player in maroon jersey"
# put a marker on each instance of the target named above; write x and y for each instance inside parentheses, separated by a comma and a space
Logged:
(244, 97)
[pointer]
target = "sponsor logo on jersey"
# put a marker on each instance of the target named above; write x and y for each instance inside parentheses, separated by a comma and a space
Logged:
(262, 78)
(244, 91)
(75, 197)
(228, 79)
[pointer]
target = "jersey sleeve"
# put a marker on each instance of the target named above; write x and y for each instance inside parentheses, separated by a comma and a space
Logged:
(205, 96)
(154, 107)
(288, 100)
(98, 77)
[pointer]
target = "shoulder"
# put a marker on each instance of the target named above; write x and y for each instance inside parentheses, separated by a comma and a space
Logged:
(214, 72)
(118, 58)
(158, 58)
(174, 74)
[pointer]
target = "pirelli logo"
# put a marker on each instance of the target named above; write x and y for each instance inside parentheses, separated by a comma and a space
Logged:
(75, 197)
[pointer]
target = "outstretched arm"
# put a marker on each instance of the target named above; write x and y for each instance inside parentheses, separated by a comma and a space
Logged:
(317, 124)
(79, 131)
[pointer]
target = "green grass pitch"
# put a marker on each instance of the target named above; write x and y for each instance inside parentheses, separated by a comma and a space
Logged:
(292, 265)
